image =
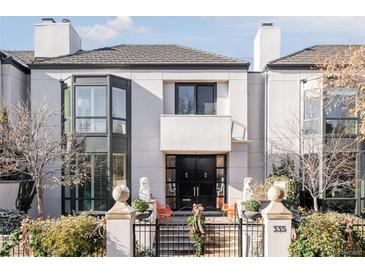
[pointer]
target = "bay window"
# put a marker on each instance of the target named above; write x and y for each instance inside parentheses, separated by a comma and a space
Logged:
(97, 108)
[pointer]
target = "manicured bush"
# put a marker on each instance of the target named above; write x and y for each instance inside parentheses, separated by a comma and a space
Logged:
(252, 205)
(327, 235)
(140, 205)
(68, 236)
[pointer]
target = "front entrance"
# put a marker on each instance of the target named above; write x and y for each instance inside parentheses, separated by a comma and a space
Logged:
(198, 179)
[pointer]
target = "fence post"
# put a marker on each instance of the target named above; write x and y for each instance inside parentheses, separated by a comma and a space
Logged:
(277, 222)
(119, 225)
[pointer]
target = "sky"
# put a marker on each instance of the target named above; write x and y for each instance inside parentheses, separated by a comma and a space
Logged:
(231, 36)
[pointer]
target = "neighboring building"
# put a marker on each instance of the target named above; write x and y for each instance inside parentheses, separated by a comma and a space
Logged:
(195, 123)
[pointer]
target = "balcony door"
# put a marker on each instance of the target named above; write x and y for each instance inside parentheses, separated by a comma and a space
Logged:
(195, 99)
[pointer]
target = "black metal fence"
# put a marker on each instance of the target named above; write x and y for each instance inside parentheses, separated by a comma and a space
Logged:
(224, 238)
(359, 225)
(17, 251)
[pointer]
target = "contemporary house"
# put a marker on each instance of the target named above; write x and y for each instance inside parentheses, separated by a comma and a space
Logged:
(194, 122)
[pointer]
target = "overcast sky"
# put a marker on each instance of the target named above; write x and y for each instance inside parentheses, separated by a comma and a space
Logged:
(232, 36)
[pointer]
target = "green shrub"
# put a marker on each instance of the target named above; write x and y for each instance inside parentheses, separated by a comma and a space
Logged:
(327, 235)
(291, 190)
(252, 205)
(140, 205)
(68, 236)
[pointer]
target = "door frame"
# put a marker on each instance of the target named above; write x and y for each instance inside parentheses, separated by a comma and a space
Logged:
(171, 171)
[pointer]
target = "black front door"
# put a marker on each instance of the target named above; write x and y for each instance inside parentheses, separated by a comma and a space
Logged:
(196, 181)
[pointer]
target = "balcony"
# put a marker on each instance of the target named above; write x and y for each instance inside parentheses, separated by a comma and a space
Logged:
(199, 133)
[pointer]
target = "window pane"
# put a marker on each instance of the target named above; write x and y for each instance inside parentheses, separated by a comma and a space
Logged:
(67, 103)
(171, 189)
(341, 126)
(338, 106)
(67, 208)
(186, 100)
(171, 161)
(220, 189)
(90, 101)
(221, 160)
(119, 126)
(312, 108)
(92, 195)
(220, 175)
(119, 169)
(119, 103)
(171, 175)
(171, 202)
(91, 125)
(205, 97)
(312, 126)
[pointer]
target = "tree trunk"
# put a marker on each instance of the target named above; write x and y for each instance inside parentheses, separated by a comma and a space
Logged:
(40, 206)
(315, 203)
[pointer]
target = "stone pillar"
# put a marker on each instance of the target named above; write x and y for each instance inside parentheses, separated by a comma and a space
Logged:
(119, 225)
(277, 221)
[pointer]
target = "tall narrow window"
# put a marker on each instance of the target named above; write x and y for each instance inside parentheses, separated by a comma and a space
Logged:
(119, 169)
(195, 99)
(205, 99)
(67, 110)
(312, 111)
(90, 109)
(119, 110)
(92, 195)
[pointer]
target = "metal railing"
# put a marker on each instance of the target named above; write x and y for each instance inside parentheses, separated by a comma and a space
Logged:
(241, 129)
(229, 237)
(252, 235)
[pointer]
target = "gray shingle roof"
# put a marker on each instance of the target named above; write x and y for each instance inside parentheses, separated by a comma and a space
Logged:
(143, 55)
(309, 56)
(27, 56)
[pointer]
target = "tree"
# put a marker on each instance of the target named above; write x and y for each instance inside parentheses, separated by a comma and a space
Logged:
(31, 145)
(322, 164)
(346, 70)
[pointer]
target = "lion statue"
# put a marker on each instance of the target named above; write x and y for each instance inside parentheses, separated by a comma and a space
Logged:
(144, 189)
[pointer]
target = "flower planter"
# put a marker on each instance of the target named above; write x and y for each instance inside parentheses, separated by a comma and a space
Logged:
(253, 215)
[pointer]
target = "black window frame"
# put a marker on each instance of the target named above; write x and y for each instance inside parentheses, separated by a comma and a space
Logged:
(111, 142)
(196, 85)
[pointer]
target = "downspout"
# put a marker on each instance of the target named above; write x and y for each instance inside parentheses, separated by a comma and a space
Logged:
(266, 83)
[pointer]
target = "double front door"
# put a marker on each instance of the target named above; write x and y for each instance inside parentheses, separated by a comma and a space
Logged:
(196, 181)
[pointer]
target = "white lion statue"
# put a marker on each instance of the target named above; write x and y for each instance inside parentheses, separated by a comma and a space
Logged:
(144, 189)
(247, 189)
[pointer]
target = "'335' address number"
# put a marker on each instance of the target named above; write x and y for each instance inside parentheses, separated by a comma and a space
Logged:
(280, 228)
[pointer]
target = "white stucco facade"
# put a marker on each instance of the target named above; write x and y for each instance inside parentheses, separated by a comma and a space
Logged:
(152, 98)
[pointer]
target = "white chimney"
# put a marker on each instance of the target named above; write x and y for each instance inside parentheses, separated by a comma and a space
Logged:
(53, 38)
(266, 46)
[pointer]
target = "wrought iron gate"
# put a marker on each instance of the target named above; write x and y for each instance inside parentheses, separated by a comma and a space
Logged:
(226, 239)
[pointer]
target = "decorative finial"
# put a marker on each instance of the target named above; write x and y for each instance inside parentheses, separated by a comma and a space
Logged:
(275, 193)
(121, 193)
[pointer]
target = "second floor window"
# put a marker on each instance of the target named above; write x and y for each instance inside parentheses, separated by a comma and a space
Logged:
(195, 99)
(90, 108)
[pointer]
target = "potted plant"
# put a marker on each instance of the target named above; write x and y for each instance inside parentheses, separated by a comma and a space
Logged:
(252, 208)
(141, 207)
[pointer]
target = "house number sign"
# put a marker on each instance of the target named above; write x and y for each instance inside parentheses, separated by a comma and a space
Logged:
(279, 228)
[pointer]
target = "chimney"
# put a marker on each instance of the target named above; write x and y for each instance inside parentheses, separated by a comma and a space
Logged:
(266, 46)
(53, 38)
